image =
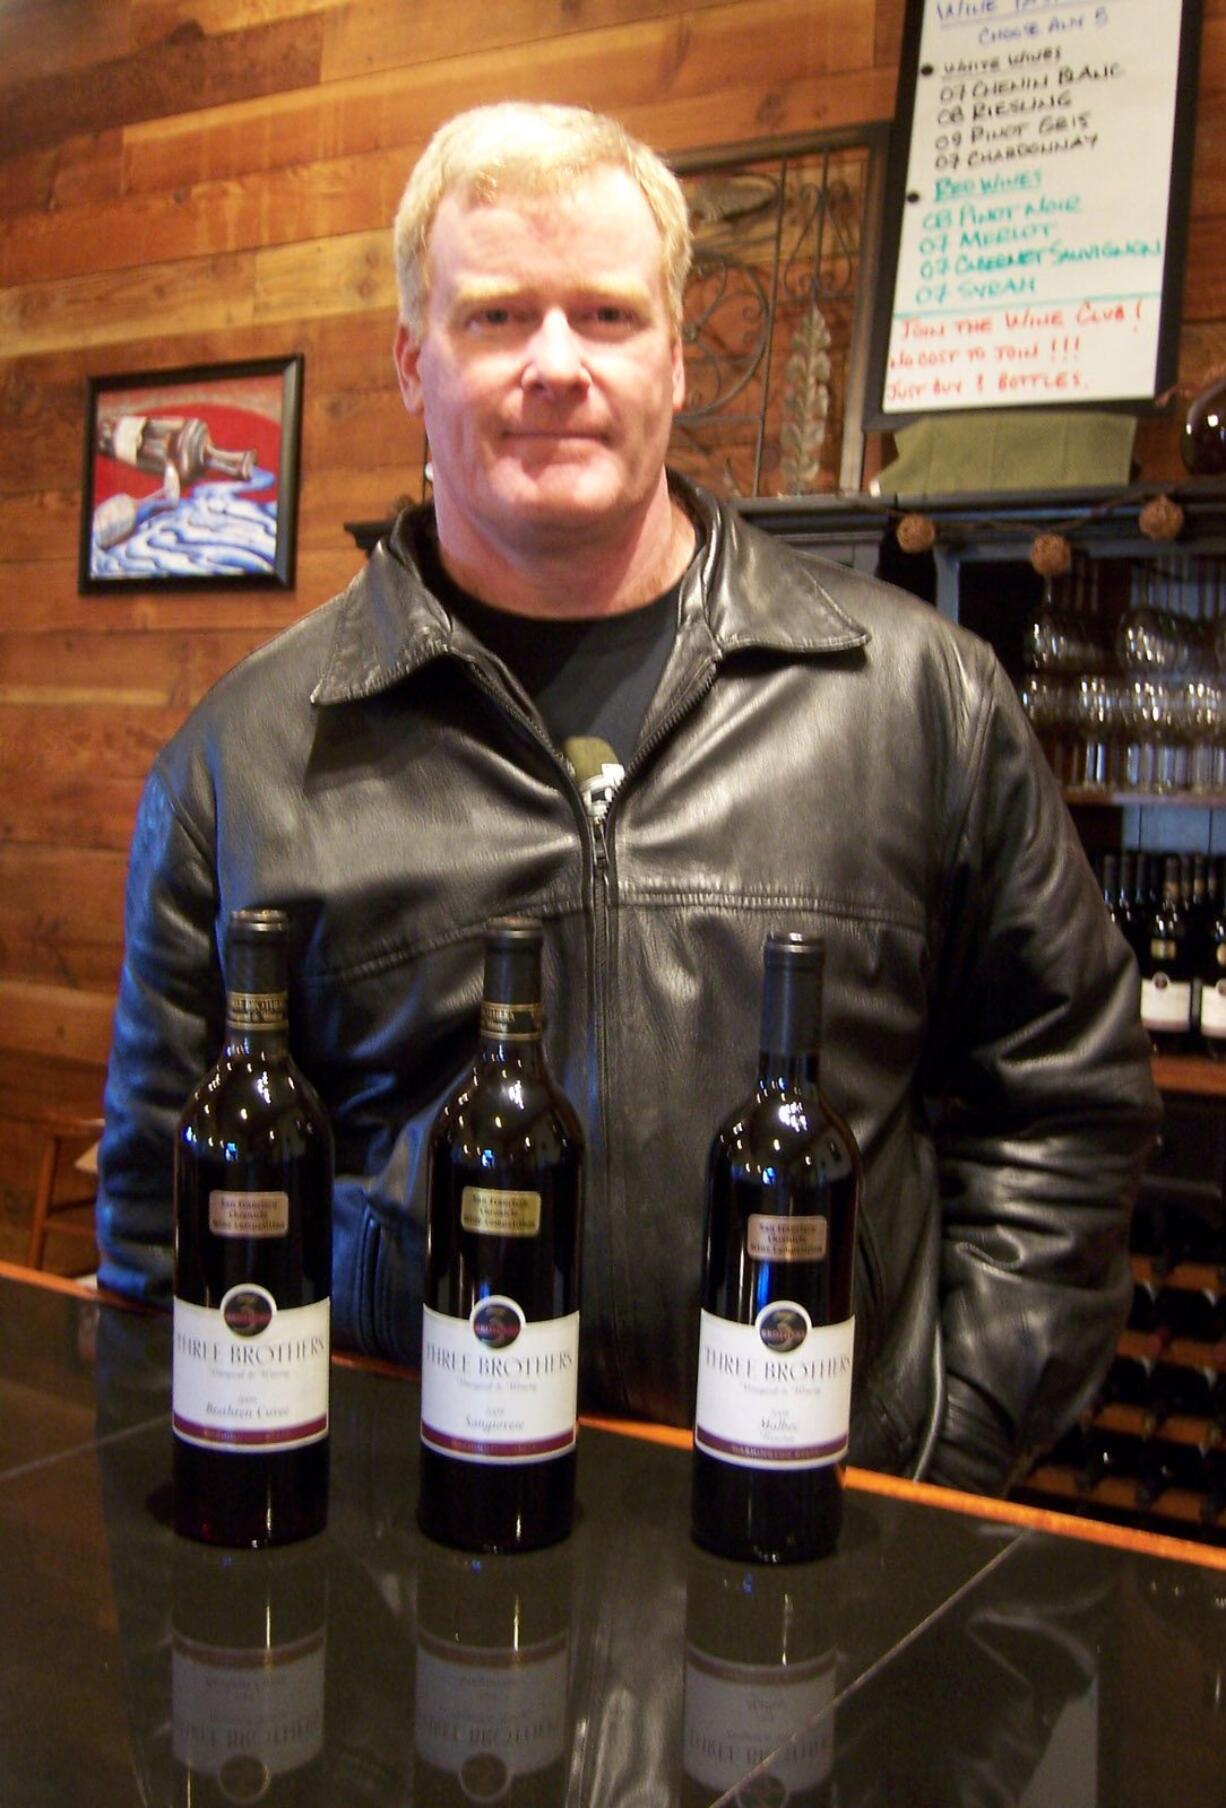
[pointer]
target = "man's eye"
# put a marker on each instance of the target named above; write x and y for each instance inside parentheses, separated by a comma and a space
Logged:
(610, 314)
(491, 316)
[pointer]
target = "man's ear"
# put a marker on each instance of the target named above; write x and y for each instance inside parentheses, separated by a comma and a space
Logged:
(406, 354)
(678, 374)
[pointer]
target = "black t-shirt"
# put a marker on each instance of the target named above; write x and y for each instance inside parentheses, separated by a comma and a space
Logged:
(591, 680)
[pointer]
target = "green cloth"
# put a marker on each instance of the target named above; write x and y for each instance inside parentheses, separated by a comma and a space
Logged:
(1023, 449)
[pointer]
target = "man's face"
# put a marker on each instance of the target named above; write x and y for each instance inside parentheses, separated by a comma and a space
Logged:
(549, 372)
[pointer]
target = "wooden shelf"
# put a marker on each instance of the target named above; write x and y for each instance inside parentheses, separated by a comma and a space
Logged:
(1178, 1352)
(1197, 1074)
(1087, 796)
(1116, 1492)
(1179, 1428)
(1184, 1277)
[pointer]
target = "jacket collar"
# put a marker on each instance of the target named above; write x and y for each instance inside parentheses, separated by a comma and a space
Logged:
(745, 590)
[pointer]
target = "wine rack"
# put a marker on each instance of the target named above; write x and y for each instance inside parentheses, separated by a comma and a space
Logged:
(1151, 1451)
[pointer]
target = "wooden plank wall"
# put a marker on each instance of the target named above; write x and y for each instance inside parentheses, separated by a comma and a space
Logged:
(191, 180)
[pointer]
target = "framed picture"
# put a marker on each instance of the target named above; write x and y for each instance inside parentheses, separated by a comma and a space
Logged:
(191, 477)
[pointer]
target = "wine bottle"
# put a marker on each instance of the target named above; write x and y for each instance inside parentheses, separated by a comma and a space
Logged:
(182, 445)
(1109, 881)
(775, 1352)
(500, 1338)
(1212, 1023)
(1166, 969)
(252, 1271)
(248, 1658)
(492, 1695)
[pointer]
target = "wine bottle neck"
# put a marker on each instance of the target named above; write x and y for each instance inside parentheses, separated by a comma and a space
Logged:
(791, 1027)
(257, 1023)
(257, 1002)
(510, 1034)
(788, 1072)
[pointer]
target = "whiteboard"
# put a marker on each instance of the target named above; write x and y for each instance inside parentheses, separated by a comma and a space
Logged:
(1038, 203)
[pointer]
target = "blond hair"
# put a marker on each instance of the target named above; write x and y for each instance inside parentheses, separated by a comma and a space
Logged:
(522, 147)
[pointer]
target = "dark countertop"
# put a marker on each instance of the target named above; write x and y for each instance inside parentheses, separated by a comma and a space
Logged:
(941, 1657)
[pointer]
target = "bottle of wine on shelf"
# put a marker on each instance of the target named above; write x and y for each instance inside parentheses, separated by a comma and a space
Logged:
(1213, 984)
(500, 1339)
(252, 1270)
(775, 1355)
(1166, 969)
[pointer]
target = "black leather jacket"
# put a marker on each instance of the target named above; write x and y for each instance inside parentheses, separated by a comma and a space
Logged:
(822, 753)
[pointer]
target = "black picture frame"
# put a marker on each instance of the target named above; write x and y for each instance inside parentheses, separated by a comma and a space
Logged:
(190, 477)
(884, 409)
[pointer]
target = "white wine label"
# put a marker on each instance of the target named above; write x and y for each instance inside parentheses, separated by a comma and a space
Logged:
(495, 1212)
(257, 1010)
(248, 1375)
(497, 1387)
(1213, 1008)
(246, 1716)
(777, 1393)
(775, 1239)
(736, 1715)
(488, 1716)
(126, 437)
(248, 1214)
(1166, 1003)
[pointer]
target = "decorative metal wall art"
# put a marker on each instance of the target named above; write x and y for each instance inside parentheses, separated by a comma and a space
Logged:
(776, 320)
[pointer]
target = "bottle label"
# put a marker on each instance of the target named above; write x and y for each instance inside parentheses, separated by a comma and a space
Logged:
(496, 1387)
(1213, 1009)
(257, 1010)
(488, 1716)
(737, 1715)
(776, 1239)
(250, 1376)
(495, 1212)
(1166, 1003)
(248, 1214)
(247, 1716)
(777, 1393)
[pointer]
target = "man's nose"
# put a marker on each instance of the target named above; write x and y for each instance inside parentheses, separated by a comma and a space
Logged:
(555, 355)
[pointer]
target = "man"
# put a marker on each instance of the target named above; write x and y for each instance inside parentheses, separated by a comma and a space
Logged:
(578, 688)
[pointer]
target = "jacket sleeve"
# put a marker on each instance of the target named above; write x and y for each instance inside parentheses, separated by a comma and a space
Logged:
(167, 1028)
(1047, 1112)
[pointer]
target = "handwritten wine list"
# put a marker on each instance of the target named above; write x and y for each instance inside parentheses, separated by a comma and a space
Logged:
(1034, 226)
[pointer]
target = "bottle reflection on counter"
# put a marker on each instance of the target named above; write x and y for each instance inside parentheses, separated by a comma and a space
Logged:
(493, 1674)
(248, 1660)
(759, 1683)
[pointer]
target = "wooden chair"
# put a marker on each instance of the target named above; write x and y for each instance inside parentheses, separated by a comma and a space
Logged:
(50, 1212)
